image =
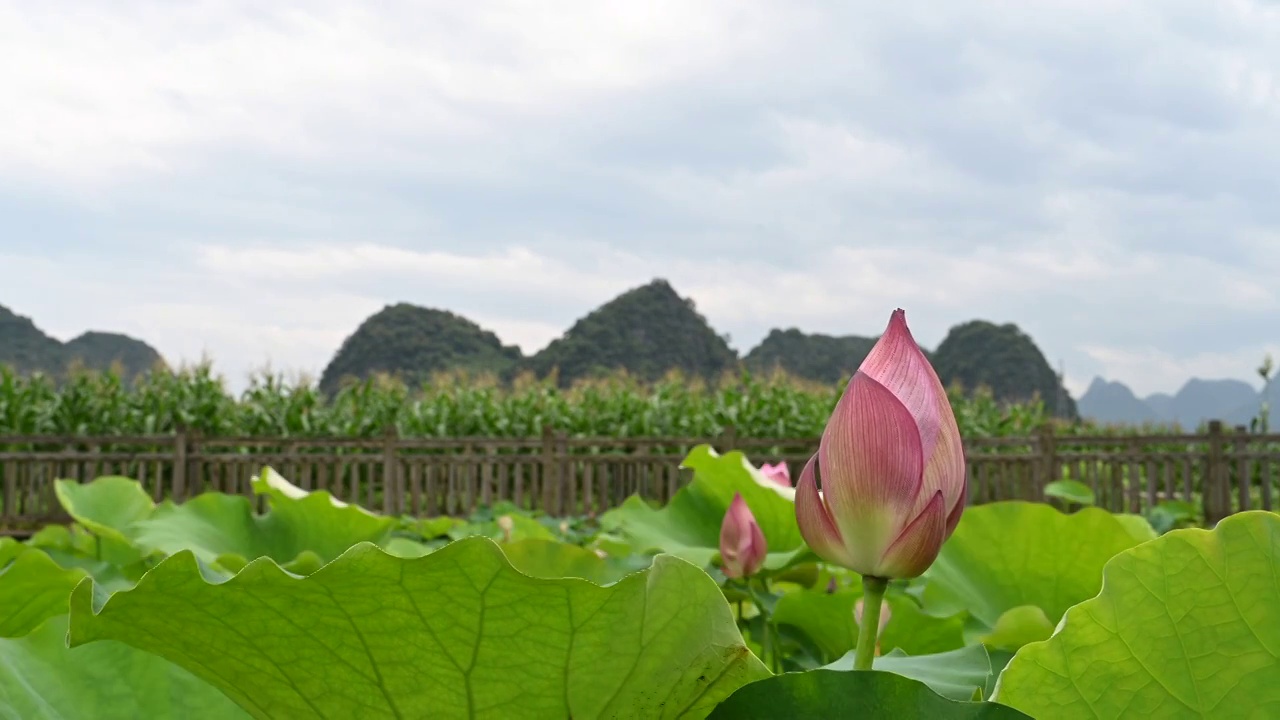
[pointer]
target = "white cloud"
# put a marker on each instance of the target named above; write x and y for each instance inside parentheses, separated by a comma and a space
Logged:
(138, 90)
(516, 270)
(255, 181)
(1148, 370)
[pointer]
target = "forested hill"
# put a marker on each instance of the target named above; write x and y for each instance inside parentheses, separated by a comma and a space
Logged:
(412, 343)
(648, 331)
(26, 348)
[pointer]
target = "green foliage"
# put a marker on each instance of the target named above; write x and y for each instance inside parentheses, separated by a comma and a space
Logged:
(689, 526)
(958, 674)
(1185, 626)
(43, 679)
(456, 634)
(319, 609)
(551, 559)
(1071, 491)
(827, 618)
(33, 588)
(101, 351)
(1007, 555)
(812, 356)
(26, 348)
(1171, 514)
(837, 694)
(412, 343)
(776, 406)
(647, 331)
(1003, 358)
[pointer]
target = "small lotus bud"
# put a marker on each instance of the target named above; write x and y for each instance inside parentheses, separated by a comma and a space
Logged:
(506, 524)
(742, 545)
(779, 473)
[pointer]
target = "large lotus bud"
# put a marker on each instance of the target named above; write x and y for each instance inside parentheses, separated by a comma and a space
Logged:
(890, 465)
(778, 473)
(742, 546)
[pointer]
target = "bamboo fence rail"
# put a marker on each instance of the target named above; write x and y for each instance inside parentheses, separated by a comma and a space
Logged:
(1220, 472)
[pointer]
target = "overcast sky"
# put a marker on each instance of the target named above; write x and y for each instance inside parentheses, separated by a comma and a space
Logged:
(252, 183)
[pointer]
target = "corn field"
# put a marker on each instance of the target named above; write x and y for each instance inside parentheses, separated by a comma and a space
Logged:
(457, 405)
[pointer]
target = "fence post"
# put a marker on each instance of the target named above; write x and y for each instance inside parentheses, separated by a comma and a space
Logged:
(568, 472)
(1048, 461)
(1215, 477)
(192, 471)
(1244, 479)
(728, 438)
(549, 484)
(180, 464)
(390, 473)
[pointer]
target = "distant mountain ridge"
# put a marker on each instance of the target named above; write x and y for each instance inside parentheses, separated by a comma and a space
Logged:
(651, 330)
(412, 343)
(26, 348)
(813, 356)
(1234, 402)
(647, 331)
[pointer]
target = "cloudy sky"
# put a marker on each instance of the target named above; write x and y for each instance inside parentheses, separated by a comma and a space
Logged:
(221, 178)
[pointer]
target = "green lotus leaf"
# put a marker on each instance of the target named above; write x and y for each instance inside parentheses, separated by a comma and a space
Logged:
(42, 679)
(689, 525)
(1005, 555)
(957, 674)
(827, 619)
(550, 559)
(109, 507)
(214, 525)
(74, 548)
(458, 633)
(1187, 625)
(840, 694)
(1072, 491)
(523, 527)
(1017, 627)
(33, 588)
(406, 548)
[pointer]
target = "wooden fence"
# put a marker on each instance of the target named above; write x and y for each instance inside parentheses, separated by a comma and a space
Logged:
(1219, 472)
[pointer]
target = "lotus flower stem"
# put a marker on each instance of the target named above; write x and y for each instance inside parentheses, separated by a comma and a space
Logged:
(872, 598)
(770, 640)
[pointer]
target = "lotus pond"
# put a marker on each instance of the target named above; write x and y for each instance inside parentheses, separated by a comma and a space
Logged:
(316, 609)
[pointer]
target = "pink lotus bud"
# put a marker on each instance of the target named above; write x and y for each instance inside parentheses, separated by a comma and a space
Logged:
(890, 465)
(885, 614)
(777, 473)
(742, 546)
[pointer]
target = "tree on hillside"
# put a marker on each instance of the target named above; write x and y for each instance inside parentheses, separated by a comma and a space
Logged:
(412, 343)
(647, 331)
(27, 349)
(103, 351)
(817, 357)
(1004, 359)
